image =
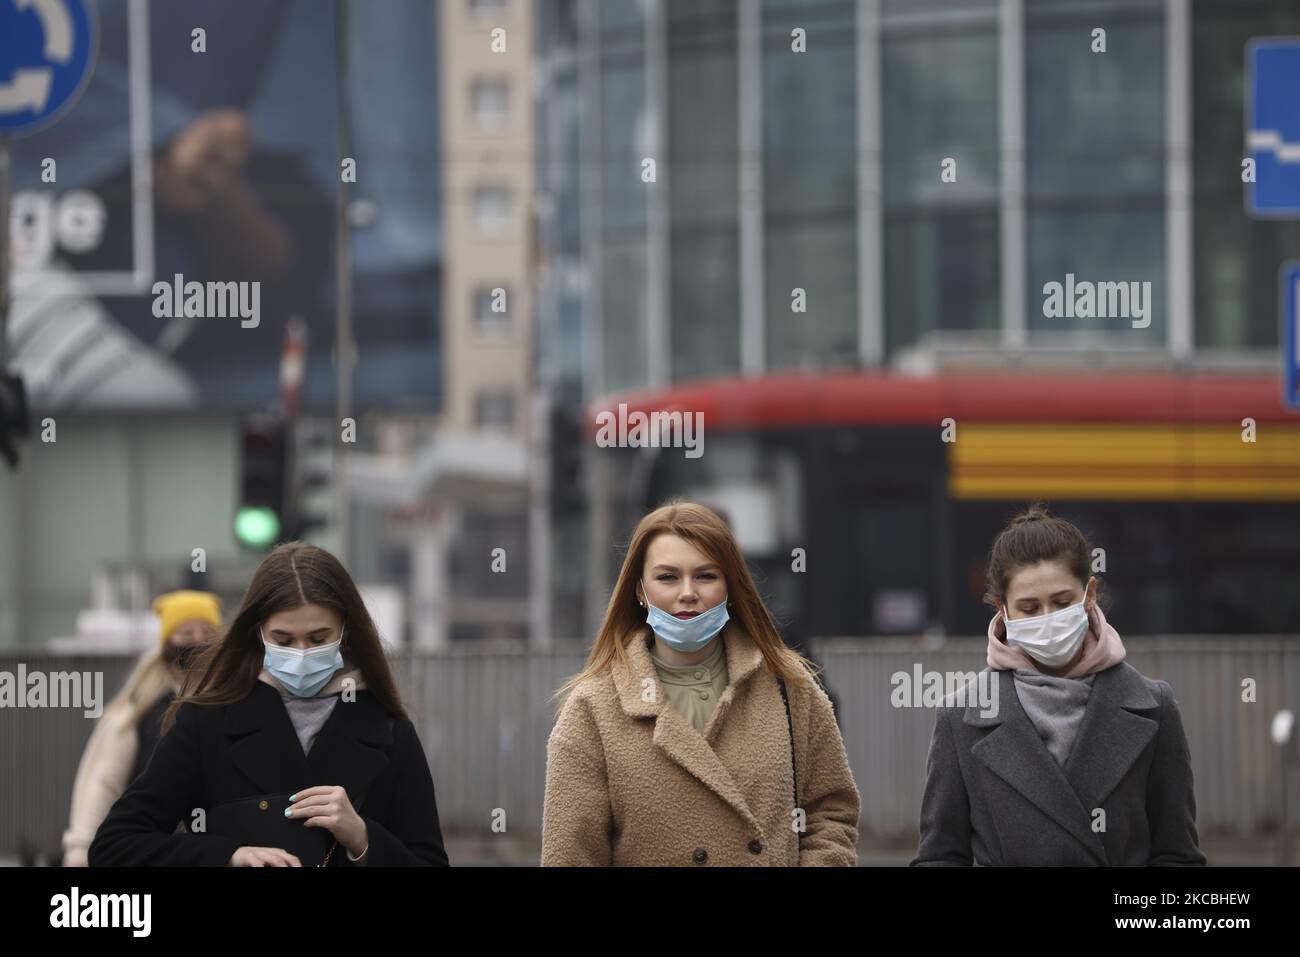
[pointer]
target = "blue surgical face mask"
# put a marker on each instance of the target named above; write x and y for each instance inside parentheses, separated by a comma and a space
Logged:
(304, 671)
(686, 634)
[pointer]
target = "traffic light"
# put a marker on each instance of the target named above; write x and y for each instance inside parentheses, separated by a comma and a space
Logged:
(309, 503)
(13, 416)
(566, 443)
(260, 517)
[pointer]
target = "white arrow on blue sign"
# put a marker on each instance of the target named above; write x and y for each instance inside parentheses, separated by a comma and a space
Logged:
(1273, 126)
(1291, 334)
(47, 51)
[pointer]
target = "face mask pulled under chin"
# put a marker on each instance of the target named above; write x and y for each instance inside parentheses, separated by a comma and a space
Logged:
(690, 634)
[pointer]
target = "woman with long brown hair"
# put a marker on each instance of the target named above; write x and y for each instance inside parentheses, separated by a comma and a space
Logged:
(694, 736)
(288, 745)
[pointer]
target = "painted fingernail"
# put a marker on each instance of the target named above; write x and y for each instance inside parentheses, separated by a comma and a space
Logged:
(288, 812)
(293, 796)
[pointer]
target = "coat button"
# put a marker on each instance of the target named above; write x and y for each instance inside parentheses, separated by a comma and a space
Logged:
(699, 674)
(756, 846)
(261, 805)
(704, 696)
(700, 855)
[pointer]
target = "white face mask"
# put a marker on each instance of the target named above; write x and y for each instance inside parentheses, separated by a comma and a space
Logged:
(1051, 640)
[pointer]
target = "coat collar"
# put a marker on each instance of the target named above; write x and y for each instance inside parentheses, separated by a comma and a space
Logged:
(349, 749)
(639, 694)
(743, 659)
(1111, 736)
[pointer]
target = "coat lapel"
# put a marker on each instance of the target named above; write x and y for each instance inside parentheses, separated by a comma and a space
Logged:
(1015, 753)
(743, 660)
(351, 747)
(262, 743)
(348, 750)
(1111, 736)
(672, 734)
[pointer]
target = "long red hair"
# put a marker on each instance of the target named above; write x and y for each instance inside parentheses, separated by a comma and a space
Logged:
(625, 618)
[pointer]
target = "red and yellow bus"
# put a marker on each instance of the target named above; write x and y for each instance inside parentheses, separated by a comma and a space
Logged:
(893, 487)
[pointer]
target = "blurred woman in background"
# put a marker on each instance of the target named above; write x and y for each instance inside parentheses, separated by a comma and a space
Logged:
(127, 732)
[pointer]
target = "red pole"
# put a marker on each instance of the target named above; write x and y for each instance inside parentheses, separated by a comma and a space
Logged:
(293, 363)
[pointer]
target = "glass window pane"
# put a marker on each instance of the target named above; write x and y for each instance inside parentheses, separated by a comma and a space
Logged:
(625, 341)
(942, 273)
(940, 74)
(703, 204)
(810, 184)
(623, 203)
(1095, 129)
(490, 102)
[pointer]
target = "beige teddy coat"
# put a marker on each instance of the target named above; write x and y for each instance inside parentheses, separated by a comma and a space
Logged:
(630, 782)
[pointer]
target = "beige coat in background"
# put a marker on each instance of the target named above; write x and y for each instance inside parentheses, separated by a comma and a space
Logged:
(102, 776)
(630, 782)
(107, 762)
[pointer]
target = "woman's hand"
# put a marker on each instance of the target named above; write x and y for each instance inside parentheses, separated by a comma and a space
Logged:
(328, 806)
(263, 857)
(205, 160)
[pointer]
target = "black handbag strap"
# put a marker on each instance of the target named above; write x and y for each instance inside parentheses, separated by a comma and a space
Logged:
(789, 723)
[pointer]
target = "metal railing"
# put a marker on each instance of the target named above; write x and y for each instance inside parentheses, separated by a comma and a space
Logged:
(484, 713)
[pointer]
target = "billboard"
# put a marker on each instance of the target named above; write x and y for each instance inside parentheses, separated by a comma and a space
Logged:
(169, 226)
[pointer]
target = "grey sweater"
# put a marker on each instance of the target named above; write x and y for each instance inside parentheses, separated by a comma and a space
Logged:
(308, 716)
(1055, 706)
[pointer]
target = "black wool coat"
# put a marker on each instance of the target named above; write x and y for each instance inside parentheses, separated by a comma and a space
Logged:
(149, 731)
(216, 754)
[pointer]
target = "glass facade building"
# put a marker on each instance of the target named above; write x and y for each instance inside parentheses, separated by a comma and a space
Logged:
(783, 186)
(759, 147)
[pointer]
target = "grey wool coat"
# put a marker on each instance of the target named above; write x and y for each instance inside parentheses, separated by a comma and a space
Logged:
(995, 795)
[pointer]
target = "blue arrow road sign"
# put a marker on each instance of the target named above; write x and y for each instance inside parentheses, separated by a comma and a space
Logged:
(1273, 125)
(1291, 334)
(46, 54)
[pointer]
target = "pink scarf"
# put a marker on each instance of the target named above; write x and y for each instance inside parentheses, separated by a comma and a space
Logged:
(1101, 648)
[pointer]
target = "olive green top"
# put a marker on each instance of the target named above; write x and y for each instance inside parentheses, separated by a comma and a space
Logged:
(694, 690)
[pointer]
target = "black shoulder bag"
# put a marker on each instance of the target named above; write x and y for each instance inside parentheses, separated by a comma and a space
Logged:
(789, 723)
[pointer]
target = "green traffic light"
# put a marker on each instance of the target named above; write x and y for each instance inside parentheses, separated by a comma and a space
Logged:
(256, 527)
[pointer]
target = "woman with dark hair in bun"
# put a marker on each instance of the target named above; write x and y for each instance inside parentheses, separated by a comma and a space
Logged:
(1084, 762)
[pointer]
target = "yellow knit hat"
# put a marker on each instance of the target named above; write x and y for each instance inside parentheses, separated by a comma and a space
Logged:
(178, 607)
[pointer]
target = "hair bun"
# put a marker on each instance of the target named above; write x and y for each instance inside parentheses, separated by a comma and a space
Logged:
(1017, 546)
(1036, 512)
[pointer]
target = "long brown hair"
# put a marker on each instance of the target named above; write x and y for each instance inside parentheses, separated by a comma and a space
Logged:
(293, 575)
(624, 618)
